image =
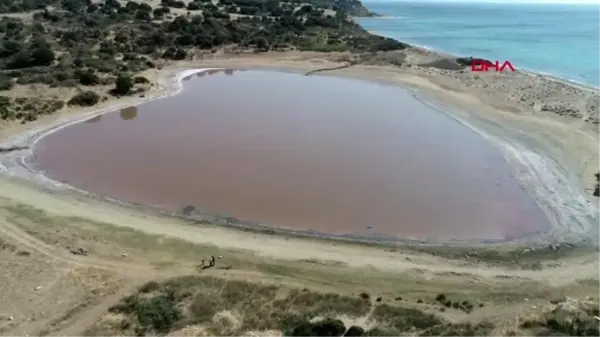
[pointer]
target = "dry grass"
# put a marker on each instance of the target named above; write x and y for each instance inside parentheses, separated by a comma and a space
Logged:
(568, 319)
(218, 306)
(225, 307)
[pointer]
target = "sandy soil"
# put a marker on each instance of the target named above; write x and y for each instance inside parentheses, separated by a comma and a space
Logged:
(51, 289)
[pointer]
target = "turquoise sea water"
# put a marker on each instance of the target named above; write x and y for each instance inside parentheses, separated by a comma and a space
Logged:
(557, 39)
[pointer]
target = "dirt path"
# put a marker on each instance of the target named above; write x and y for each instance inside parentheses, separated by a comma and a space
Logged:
(59, 254)
(80, 322)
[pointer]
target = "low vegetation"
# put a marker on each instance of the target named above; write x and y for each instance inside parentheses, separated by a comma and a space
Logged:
(565, 322)
(218, 306)
(597, 187)
(80, 43)
(85, 98)
(26, 109)
(227, 307)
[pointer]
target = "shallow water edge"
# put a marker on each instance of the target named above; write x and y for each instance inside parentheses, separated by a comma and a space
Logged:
(18, 165)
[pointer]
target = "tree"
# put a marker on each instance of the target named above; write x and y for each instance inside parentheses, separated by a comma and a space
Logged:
(21, 59)
(10, 47)
(143, 15)
(6, 83)
(185, 40)
(42, 55)
(74, 5)
(145, 7)
(193, 6)
(88, 78)
(91, 8)
(262, 44)
(174, 53)
(160, 12)
(123, 85)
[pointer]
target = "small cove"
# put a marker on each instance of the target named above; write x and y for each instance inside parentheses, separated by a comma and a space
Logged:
(321, 153)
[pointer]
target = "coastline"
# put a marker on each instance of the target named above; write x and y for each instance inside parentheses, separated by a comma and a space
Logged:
(531, 72)
(396, 13)
(15, 163)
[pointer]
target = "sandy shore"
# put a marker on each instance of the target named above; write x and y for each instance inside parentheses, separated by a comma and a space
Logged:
(553, 156)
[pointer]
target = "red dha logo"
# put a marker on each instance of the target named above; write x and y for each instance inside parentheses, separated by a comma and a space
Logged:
(484, 65)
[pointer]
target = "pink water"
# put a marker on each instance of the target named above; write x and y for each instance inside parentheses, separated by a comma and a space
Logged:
(322, 153)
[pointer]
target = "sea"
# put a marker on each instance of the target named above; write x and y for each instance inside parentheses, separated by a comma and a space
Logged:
(561, 40)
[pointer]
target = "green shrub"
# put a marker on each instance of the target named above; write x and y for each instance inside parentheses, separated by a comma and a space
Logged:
(88, 78)
(326, 327)
(140, 80)
(123, 85)
(193, 6)
(85, 98)
(157, 314)
(355, 331)
(597, 187)
(381, 332)
(6, 83)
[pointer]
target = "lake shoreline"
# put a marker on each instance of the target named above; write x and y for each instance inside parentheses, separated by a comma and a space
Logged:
(170, 80)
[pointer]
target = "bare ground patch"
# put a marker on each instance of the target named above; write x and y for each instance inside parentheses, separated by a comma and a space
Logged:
(38, 295)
